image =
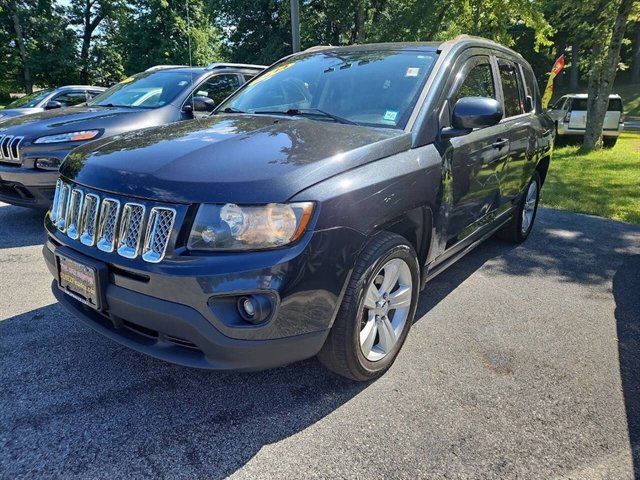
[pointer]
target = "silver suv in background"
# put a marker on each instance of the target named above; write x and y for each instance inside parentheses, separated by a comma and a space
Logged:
(51, 99)
(570, 116)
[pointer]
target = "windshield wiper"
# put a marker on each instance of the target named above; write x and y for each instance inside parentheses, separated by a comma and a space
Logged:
(228, 110)
(111, 105)
(307, 111)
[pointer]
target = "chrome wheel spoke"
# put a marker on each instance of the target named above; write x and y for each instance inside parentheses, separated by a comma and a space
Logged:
(387, 335)
(400, 298)
(391, 275)
(368, 336)
(371, 297)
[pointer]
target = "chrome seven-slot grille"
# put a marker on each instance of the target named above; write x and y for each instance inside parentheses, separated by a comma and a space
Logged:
(110, 226)
(10, 149)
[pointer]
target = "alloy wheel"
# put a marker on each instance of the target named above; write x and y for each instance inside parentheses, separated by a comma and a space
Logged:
(529, 207)
(386, 308)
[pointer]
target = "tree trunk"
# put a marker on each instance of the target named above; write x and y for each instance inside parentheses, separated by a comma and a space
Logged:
(574, 79)
(87, 34)
(635, 68)
(360, 19)
(601, 79)
(26, 69)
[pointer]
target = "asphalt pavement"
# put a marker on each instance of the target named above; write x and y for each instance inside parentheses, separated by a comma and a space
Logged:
(523, 363)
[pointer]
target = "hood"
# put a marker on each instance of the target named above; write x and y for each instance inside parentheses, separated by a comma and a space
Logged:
(51, 122)
(229, 158)
(8, 113)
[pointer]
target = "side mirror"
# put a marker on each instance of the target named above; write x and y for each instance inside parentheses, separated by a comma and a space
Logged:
(476, 112)
(52, 105)
(203, 104)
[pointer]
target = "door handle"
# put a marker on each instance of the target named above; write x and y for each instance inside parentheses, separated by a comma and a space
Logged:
(500, 143)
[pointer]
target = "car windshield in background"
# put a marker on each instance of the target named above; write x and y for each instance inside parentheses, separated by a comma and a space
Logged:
(145, 90)
(29, 101)
(374, 88)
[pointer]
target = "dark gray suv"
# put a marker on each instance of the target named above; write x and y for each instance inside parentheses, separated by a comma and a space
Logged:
(33, 146)
(304, 216)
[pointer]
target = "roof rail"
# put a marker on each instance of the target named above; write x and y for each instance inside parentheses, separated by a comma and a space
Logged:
(214, 66)
(317, 48)
(163, 67)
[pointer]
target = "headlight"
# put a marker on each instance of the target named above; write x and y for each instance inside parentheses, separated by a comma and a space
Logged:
(69, 137)
(234, 227)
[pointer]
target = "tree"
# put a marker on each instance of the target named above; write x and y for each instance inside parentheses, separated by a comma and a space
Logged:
(168, 32)
(257, 31)
(15, 11)
(605, 58)
(89, 14)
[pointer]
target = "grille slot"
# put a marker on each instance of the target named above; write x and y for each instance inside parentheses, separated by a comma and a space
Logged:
(73, 213)
(89, 219)
(108, 224)
(53, 213)
(131, 227)
(9, 148)
(63, 204)
(159, 229)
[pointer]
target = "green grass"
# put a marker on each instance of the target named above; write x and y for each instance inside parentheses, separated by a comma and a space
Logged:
(604, 183)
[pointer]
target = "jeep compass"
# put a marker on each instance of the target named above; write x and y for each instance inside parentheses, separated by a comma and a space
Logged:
(304, 216)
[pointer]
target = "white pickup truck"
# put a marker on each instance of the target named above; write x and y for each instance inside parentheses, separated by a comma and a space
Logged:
(570, 116)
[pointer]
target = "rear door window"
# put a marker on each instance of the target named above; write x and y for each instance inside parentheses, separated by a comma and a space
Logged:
(511, 88)
(531, 86)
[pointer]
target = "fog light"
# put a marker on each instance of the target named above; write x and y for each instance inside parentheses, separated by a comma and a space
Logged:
(254, 308)
(48, 163)
(249, 307)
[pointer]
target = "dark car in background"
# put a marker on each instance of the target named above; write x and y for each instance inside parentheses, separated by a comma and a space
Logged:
(306, 214)
(32, 147)
(42, 100)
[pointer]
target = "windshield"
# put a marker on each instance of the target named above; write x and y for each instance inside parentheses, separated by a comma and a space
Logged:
(29, 101)
(375, 88)
(146, 90)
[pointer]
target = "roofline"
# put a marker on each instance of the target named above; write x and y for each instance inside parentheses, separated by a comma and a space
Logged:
(79, 86)
(250, 66)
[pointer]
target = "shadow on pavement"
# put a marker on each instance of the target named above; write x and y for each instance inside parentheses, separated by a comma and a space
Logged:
(20, 227)
(626, 292)
(75, 404)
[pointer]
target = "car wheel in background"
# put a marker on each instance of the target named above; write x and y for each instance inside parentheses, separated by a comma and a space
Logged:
(376, 312)
(520, 225)
(609, 142)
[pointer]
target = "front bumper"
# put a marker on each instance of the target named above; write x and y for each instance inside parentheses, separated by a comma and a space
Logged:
(28, 186)
(169, 310)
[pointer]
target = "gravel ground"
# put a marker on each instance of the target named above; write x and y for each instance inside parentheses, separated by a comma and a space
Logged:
(524, 362)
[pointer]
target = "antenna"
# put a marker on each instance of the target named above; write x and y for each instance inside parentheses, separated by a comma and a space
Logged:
(193, 109)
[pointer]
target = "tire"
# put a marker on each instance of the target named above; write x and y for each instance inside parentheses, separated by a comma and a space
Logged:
(515, 231)
(343, 351)
(609, 142)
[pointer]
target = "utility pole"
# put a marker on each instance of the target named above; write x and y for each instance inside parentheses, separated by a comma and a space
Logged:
(295, 26)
